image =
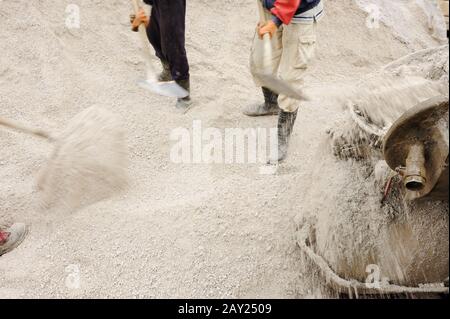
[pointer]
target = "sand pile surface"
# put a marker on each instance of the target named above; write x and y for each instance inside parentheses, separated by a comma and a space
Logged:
(179, 230)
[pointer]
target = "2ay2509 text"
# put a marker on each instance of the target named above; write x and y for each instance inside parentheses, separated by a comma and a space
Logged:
(246, 308)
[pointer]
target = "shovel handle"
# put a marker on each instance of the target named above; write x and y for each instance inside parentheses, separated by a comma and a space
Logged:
(267, 47)
(24, 129)
(136, 6)
(262, 14)
(145, 42)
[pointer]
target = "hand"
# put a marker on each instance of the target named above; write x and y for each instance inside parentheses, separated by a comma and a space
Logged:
(140, 18)
(270, 28)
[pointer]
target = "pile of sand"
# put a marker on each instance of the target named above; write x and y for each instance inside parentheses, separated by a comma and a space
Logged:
(180, 230)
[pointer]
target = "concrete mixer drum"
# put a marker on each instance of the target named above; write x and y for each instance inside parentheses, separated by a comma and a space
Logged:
(417, 146)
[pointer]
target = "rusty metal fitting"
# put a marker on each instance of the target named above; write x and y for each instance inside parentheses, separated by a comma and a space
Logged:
(415, 173)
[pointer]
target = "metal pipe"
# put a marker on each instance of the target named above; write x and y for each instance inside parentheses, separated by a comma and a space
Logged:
(415, 172)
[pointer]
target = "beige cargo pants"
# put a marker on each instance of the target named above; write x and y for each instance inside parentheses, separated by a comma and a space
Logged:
(293, 49)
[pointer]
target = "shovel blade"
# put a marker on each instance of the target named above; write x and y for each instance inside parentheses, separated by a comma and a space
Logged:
(169, 89)
(281, 87)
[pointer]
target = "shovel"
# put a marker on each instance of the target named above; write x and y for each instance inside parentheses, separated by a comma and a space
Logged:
(25, 129)
(88, 162)
(171, 88)
(266, 77)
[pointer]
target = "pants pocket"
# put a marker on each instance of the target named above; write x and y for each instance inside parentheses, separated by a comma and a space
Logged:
(306, 45)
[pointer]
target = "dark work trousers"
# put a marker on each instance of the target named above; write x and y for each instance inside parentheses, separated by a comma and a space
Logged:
(166, 33)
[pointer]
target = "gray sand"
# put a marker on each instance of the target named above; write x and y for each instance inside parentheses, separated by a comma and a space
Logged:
(178, 230)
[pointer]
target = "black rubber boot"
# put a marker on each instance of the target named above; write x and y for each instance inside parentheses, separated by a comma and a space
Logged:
(269, 107)
(286, 121)
(184, 103)
(165, 75)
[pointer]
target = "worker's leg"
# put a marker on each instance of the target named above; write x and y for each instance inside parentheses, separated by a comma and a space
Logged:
(173, 43)
(172, 26)
(260, 64)
(154, 32)
(299, 41)
(154, 36)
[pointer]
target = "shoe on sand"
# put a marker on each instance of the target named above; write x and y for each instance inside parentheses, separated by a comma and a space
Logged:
(165, 75)
(269, 107)
(184, 104)
(12, 237)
